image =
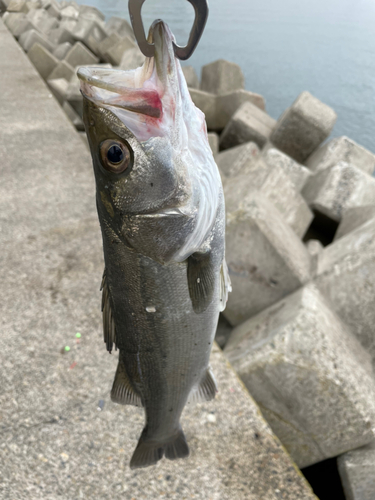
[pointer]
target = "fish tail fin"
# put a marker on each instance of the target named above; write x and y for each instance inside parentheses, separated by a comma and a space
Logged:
(149, 452)
(178, 447)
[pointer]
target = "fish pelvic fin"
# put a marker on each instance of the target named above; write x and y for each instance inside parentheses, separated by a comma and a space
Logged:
(122, 391)
(148, 452)
(109, 328)
(206, 390)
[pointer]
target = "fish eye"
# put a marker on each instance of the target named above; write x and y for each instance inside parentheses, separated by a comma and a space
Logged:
(115, 156)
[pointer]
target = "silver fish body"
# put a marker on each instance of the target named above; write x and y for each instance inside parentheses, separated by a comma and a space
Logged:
(161, 210)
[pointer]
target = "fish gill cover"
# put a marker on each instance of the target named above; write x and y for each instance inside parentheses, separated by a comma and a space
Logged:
(154, 101)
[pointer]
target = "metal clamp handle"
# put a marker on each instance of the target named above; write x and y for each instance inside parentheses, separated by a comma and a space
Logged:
(183, 53)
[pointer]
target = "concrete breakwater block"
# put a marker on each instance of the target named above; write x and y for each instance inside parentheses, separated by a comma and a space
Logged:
(90, 32)
(213, 140)
(115, 52)
(276, 186)
(227, 104)
(303, 127)
(221, 76)
(62, 70)
(42, 20)
(59, 88)
(191, 77)
(43, 60)
(107, 43)
(132, 59)
(91, 12)
(310, 377)
(61, 50)
(357, 472)
(315, 249)
(346, 276)
(249, 123)
(73, 116)
(17, 23)
(28, 38)
(341, 149)
(206, 102)
(119, 26)
(354, 218)
(60, 35)
(219, 109)
(70, 11)
(237, 160)
(266, 259)
(333, 190)
(17, 6)
(79, 54)
(4, 4)
(297, 173)
(53, 8)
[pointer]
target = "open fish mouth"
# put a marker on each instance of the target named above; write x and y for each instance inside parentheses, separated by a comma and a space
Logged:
(116, 88)
(144, 99)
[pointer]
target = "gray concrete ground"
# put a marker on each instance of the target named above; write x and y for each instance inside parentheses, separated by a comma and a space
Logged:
(60, 435)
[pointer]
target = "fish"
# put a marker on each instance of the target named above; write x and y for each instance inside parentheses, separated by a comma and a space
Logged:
(161, 210)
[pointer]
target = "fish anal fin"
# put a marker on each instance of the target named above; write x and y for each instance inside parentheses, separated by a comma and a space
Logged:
(122, 391)
(149, 452)
(206, 390)
(109, 328)
(201, 280)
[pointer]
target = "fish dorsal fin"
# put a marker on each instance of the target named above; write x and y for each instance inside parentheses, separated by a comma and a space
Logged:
(109, 328)
(201, 280)
(225, 285)
(206, 390)
(122, 391)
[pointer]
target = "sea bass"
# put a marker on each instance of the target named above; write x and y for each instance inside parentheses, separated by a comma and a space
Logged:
(161, 210)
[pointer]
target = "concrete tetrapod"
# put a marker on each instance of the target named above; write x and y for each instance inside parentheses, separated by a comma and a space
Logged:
(237, 160)
(276, 185)
(310, 376)
(357, 471)
(266, 259)
(221, 76)
(354, 218)
(303, 127)
(334, 190)
(346, 276)
(341, 149)
(297, 173)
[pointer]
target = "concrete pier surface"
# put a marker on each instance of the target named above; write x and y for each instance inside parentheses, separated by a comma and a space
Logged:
(60, 435)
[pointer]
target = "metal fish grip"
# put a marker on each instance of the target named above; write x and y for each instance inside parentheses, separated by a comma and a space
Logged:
(183, 53)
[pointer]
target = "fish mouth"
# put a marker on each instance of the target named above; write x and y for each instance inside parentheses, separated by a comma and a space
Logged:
(117, 89)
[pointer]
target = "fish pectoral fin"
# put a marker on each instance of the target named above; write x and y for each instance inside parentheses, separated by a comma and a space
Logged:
(206, 390)
(122, 391)
(109, 328)
(225, 285)
(201, 280)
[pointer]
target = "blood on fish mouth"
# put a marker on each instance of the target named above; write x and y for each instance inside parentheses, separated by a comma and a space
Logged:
(139, 100)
